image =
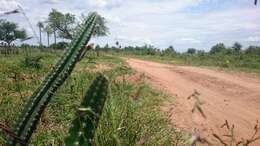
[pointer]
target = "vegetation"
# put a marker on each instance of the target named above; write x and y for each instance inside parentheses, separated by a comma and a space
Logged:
(63, 23)
(125, 120)
(66, 24)
(41, 26)
(234, 57)
(9, 32)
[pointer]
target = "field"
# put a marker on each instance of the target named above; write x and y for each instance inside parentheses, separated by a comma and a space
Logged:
(131, 114)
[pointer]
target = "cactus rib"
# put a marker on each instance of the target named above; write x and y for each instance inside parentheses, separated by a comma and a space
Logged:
(87, 117)
(41, 97)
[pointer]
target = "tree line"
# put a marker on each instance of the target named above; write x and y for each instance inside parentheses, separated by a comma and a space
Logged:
(219, 48)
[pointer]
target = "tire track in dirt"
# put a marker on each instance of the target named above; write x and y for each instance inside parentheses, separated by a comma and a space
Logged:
(226, 96)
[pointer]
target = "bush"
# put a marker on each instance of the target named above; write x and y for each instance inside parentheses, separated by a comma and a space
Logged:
(32, 62)
(59, 45)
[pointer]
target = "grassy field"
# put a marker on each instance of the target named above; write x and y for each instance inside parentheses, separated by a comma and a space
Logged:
(131, 115)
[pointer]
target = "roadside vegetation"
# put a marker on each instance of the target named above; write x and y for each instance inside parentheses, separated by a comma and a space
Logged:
(234, 57)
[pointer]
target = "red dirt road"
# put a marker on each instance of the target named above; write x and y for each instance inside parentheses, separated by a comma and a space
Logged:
(226, 96)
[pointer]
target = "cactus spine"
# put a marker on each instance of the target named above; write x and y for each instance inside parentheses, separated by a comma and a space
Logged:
(87, 118)
(32, 112)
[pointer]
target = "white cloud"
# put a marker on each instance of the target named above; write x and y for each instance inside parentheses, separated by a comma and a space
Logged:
(189, 40)
(253, 39)
(52, 1)
(104, 3)
(7, 5)
(158, 7)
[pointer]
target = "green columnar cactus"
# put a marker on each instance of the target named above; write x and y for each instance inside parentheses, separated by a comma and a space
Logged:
(32, 112)
(87, 118)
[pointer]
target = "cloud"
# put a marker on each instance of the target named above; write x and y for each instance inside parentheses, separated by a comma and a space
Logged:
(189, 40)
(253, 39)
(105, 3)
(52, 1)
(7, 5)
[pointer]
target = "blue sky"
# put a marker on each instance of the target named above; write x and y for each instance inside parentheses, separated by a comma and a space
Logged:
(181, 23)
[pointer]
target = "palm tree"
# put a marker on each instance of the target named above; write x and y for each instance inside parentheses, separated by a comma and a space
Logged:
(40, 25)
(48, 30)
(55, 36)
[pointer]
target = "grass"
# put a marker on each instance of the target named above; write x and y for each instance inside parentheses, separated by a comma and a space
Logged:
(125, 120)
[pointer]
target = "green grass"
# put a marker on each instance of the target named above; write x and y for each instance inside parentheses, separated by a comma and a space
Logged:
(124, 122)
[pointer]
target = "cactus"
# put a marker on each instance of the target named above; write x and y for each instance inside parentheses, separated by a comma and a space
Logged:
(31, 114)
(87, 118)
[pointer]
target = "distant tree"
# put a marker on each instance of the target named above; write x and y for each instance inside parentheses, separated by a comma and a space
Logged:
(48, 30)
(59, 45)
(64, 24)
(169, 51)
(230, 51)
(10, 32)
(201, 52)
(41, 26)
(191, 51)
(237, 47)
(106, 46)
(25, 45)
(220, 47)
(100, 29)
(253, 50)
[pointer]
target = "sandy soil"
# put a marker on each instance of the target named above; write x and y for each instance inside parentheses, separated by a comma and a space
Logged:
(227, 96)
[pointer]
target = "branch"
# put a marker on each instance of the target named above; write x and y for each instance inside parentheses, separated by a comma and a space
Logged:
(65, 31)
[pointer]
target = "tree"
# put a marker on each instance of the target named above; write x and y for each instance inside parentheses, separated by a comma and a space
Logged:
(237, 47)
(41, 26)
(9, 32)
(100, 29)
(220, 47)
(201, 52)
(169, 51)
(63, 23)
(48, 30)
(59, 45)
(191, 51)
(253, 50)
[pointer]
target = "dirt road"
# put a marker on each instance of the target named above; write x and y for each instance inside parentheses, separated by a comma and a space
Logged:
(226, 96)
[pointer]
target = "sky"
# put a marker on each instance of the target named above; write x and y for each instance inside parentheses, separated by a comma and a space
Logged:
(182, 24)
